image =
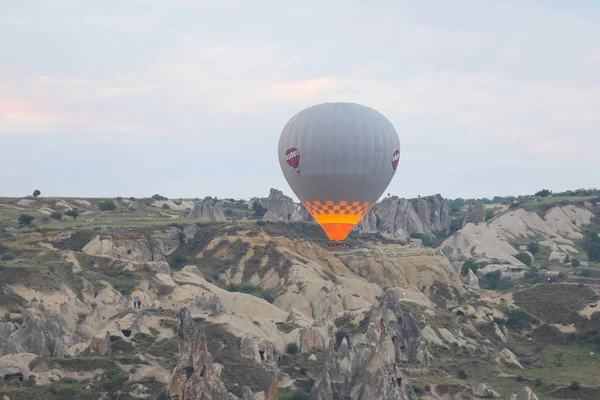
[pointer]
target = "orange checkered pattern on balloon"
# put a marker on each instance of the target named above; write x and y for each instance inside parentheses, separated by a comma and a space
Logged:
(337, 207)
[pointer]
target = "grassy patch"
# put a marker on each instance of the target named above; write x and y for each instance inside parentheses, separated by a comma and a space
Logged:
(555, 303)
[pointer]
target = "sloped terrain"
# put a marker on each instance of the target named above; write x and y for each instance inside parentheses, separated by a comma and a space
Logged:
(257, 309)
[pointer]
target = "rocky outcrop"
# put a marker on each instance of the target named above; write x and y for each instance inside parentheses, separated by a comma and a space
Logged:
(208, 209)
(365, 366)
(101, 344)
(301, 214)
(279, 206)
(475, 213)
(399, 218)
(392, 265)
(365, 370)
(135, 247)
(472, 280)
(42, 333)
(525, 394)
(6, 329)
(508, 358)
(492, 242)
(316, 336)
(485, 390)
(197, 376)
(434, 213)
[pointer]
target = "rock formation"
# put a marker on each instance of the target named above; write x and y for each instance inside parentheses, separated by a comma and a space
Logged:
(133, 246)
(475, 213)
(493, 242)
(472, 280)
(365, 366)
(400, 217)
(42, 333)
(197, 376)
(484, 390)
(208, 209)
(525, 394)
(301, 214)
(279, 206)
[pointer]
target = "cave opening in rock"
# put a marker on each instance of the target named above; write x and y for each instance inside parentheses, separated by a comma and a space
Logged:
(262, 355)
(203, 371)
(189, 371)
(126, 332)
(399, 380)
(16, 377)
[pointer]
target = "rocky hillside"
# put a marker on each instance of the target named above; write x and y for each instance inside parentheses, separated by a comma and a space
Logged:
(246, 308)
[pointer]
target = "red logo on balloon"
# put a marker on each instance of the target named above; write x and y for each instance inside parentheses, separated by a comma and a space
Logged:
(395, 159)
(292, 157)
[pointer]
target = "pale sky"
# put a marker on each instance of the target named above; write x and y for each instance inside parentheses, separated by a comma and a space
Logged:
(187, 98)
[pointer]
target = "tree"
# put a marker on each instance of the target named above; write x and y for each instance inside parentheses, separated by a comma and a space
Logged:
(36, 193)
(292, 348)
(575, 263)
(560, 358)
(56, 215)
(544, 193)
(524, 258)
(259, 211)
(107, 206)
(593, 252)
(468, 265)
(533, 247)
(73, 213)
(25, 220)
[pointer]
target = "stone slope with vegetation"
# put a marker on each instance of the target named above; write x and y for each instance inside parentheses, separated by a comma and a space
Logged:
(259, 305)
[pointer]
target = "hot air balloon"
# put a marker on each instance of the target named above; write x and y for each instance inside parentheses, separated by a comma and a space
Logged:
(338, 158)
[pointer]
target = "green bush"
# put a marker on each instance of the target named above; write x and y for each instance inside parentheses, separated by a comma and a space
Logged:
(524, 258)
(73, 213)
(533, 247)
(593, 252)
(108, 205)
(259, 211)
(468, 265)
(269, 297)
(575, 385)
(462, 374)
(300, 394)
(179, 261)
(7, 257)
(56, 215)
(519, 319)
(292, 348)
(166, 206)
(575, 263)
(489, 214)
(25, 220)
(426, 240)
